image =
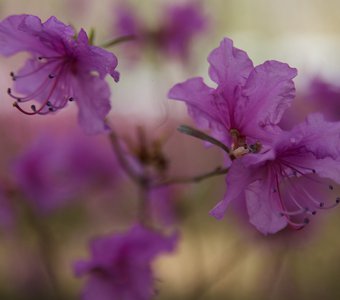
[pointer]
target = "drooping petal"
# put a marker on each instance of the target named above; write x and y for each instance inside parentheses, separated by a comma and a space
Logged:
(237, 180)
(263, 206)
(92, 58)
(267, 94)
(229, 68)
(92, 96)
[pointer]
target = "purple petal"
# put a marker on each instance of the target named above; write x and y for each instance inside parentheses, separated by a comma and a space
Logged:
(320, 137)
(92, 58)
(229, 67)
(238, 178)
(27, 33)
(93, 99)
(267, 94)
(203, 105)
(263, 207)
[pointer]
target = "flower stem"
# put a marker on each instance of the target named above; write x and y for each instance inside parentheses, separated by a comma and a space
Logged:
(203, 136)
(118, 40)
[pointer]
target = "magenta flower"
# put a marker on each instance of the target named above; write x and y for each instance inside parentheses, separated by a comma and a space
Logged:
(56, 170)
(288, 183)
(120, 266)
(177, 26)
(64, 67)
(247, 102)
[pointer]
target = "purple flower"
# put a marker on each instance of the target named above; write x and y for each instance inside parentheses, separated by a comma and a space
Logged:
(248, 101)
(64, 67)
(181, 24)
(287, 183)
(120, 266)
(57, 169)
(177, 26)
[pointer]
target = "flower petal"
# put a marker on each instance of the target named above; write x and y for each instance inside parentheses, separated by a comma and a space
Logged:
(229, 67)
(263, 207)
(92, 58)
(92, 96)
(267, 94)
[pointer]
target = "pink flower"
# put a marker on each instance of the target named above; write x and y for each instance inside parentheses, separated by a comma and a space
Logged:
(64, 67)
(120, 266)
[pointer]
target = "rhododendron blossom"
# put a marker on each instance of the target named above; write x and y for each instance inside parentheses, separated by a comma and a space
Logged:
(246, 101)
(288, 183)
(120, 266)
(63, 67)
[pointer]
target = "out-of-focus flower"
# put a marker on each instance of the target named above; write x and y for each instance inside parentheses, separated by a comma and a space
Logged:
(247, 103)
(178, 25)
(120, 266)
(55, 169)
(286, 184)
(64, 67)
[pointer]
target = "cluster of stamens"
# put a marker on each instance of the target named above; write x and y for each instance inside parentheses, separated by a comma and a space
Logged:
(48, 86)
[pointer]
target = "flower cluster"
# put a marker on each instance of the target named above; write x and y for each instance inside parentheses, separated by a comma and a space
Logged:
(283, 176)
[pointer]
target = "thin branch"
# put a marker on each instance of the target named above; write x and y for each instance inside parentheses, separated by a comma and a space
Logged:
(118, 40)
(123, 161)
(194, 179)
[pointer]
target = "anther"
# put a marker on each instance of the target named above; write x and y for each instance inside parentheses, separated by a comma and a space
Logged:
(330, 187)
(313, 171)
(51, 109)
(70, 99)
(33, 107)
(51, 76)
(321, 204)
(313, 212)
(337, 200)
(9, 91)
(49, 103)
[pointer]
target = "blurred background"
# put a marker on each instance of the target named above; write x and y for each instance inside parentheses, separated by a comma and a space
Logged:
(79, 191)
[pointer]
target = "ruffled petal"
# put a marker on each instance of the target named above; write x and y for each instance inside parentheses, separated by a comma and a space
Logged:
(27, 33)
(267, 94)
(229, 68)
(92, 58)
(316, 135)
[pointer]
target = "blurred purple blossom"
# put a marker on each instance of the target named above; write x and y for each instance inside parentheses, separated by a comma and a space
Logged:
(177, 26)
(120, 265)
(60, 70)
(287, 183)
(55, 169)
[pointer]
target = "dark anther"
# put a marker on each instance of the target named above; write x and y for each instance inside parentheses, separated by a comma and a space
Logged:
(33, 107)
(49, 103)
(313, 171)
(70, 99)
(337, 200)
(51, 109)
(274, 190)
(51, 76)
(330, 187)
(321, 204)
(9, 91)
(40, 58)
(12, 75)
(306, 221)
(313, 212)
(281, 214)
